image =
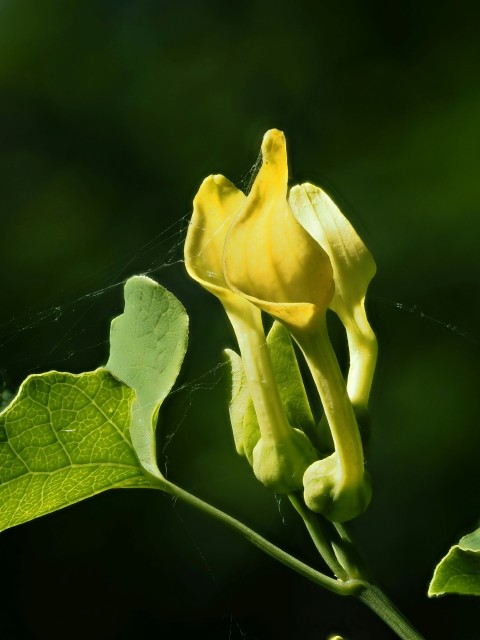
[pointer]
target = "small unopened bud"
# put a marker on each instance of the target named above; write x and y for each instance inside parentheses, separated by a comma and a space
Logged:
(321, 481)
(280, 465)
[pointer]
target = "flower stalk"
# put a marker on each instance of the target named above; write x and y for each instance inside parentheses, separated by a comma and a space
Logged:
(335, 486)
(362, 345)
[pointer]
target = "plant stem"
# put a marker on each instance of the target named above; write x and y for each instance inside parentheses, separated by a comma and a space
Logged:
(347, 554)
(368, 593)
(323, 365)
(269, 409)
(363, 348)
(378, 602)
(343, 558)
(349, 587)
(318, 536)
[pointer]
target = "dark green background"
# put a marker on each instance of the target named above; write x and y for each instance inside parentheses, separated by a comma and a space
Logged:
(112, 112)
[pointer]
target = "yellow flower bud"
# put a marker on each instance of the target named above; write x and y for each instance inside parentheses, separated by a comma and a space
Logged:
(269, 258)
(353, 268)
(352, 263)
(284, 453)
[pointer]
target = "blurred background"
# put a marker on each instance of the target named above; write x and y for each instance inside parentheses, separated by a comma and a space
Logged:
(112, 112)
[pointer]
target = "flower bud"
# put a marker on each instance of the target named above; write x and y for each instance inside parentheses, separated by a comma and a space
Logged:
(269, 258)
(284, 453)
(321, 481)
(280, 464)
(353, 268)
(352, 263)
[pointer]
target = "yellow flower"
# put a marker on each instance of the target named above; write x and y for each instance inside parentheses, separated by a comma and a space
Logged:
(253, 249)
(268, 256)
(216, 204)
(353, 269)
(282, 453)
(253, 254)
(353, 265)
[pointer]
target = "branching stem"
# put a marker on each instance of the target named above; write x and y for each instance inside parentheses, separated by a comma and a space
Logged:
(319, 538)
(345, 585)
(378, 602)
(349, 587)
(339, 553)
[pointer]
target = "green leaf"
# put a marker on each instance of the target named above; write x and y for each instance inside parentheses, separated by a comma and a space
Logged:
(64, 438)
(147, 346)
(238, 398)
(289, 379)
(67, 437)
(471, 542)
(459, 570)
(243, 418)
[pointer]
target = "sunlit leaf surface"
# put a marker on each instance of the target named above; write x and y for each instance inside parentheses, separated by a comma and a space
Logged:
(147, 346)
(63, 439)
(459, 570)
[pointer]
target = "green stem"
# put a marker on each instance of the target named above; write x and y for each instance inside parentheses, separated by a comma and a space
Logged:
(347, 554)
(318, 537)
(378, 602)
(332, 542)
(350, 587)
(364, 591)
(259, 374)
(336, 548)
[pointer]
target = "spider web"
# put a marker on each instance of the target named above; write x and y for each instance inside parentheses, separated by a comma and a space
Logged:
(83, 314)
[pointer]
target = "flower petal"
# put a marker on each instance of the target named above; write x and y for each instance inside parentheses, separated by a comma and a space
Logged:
(352, 263)
(214, 207)
(269, 257)
(353, 269)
